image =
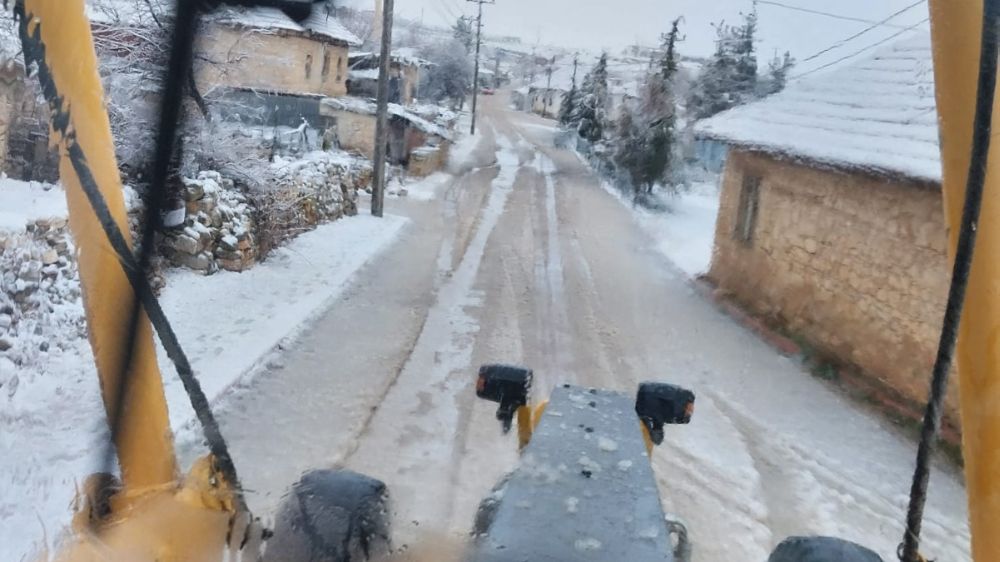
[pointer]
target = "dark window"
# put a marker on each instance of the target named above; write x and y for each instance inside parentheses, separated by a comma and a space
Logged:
(340, 68)
(309, 66)
(326, 65)
(746, 213)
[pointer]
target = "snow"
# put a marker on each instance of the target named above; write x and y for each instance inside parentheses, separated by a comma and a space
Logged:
(266, 18)
(462, 153)
(217, 319)
(368, 107)
(685, 232)
(368, 74)
(329, 26)
(877, 114)
(24, 201)
(427, 188)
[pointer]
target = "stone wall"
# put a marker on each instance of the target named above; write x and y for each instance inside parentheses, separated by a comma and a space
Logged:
(854, 264)
(355, 131)
(273, 61)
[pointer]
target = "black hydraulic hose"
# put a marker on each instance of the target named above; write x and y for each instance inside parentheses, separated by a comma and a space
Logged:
(981, 132)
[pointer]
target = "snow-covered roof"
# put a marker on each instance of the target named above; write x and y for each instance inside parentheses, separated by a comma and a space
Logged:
(329, 26)
(365, 74)
(562, 79)
(367, 107)
(404, 55)
(272, 19)
(877, 114)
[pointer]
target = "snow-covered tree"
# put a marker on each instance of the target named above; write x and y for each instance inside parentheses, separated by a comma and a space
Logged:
(592, 114)
(627, 149)
(730, 76)
(450, 77)
(567, 108)
(777, 74)
(462, 32)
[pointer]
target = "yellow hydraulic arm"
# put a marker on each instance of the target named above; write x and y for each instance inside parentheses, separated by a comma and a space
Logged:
(154, 514)
(956, 29)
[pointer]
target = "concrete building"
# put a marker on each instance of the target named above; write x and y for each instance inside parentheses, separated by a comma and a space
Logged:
(831, 223)
(264, 49)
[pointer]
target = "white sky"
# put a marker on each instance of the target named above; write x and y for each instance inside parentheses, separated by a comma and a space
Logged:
(612, 24)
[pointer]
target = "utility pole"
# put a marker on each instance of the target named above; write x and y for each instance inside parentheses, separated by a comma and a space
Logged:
(496, 69)
(548, 86)
(382, 110)
(475, 78)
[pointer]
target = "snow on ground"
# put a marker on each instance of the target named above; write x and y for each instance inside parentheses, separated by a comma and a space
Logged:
(24, 201)
(425, 189)
(461, 155)
(685, 232)
(227, 323)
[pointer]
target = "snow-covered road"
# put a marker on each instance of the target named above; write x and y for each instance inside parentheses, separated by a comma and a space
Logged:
(524, 258)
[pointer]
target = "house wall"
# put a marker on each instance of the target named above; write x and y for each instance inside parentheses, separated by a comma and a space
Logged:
(546, 102)
(854, 264)
(355, 131)
(411, 80)
(11, 89)
(247, 58)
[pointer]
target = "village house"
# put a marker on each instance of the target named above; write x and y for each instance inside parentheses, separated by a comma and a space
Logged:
(264, 49)
(24, 132)
(545, 93)
(413, 140)
(404, 75)
(831, 223)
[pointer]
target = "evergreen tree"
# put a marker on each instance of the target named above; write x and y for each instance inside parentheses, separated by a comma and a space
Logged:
(593, 108)
(567, 109)
(777, 74)
(744, 79)
(462, 31)
(628, 147)
(730, 76)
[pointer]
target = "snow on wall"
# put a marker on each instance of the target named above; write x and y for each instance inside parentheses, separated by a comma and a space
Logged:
(877, 114)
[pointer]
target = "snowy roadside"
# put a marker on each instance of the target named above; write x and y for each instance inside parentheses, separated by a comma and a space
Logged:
(228, 323)
(685, 232)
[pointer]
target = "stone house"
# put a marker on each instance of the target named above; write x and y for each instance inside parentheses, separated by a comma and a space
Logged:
(831, 220)
(353, 123)
(404, 75)
(264, 49)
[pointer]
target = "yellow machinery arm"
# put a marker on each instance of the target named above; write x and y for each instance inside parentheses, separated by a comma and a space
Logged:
(154, 515)
(956, 27)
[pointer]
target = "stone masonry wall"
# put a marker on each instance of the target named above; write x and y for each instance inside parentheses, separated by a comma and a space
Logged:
(271, 61)
(854, 264)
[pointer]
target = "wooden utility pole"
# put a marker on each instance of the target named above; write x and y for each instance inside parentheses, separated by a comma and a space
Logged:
(475, 78)
(382, 111)
(548, 87)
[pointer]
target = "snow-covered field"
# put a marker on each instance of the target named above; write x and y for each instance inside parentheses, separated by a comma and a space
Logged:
(227, 323)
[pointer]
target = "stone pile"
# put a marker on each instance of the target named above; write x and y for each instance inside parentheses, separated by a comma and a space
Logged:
(217, 231)
(39, 287)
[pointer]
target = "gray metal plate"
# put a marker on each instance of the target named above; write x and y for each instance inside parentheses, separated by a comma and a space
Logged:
(553, 511)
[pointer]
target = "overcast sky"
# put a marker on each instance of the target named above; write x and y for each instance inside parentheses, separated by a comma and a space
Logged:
(612, 24)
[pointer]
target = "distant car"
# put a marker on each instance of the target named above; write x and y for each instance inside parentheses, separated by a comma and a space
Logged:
(487, 91)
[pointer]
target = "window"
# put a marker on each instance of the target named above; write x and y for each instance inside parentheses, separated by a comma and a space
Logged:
(340, 68)
(326, 65)
(309, 66)
(746, 213)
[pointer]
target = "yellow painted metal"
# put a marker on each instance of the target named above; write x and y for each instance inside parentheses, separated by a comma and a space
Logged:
(647, 440)
(528, 419)
(144, 444)
(189, 524)
(956, 27)
(524, 427)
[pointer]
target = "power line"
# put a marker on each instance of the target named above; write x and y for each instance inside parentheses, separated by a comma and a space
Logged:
(859, 51)
(842, 42)
(827, 14)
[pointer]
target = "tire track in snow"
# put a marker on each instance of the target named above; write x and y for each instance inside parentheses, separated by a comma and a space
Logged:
(409, 443)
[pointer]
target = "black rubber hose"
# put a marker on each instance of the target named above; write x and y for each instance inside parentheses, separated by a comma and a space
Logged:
(981, 132)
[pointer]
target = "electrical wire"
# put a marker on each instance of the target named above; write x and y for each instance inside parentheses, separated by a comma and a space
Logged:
(821, 13)
(863, 50)
(845, 40)
(989, 49)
